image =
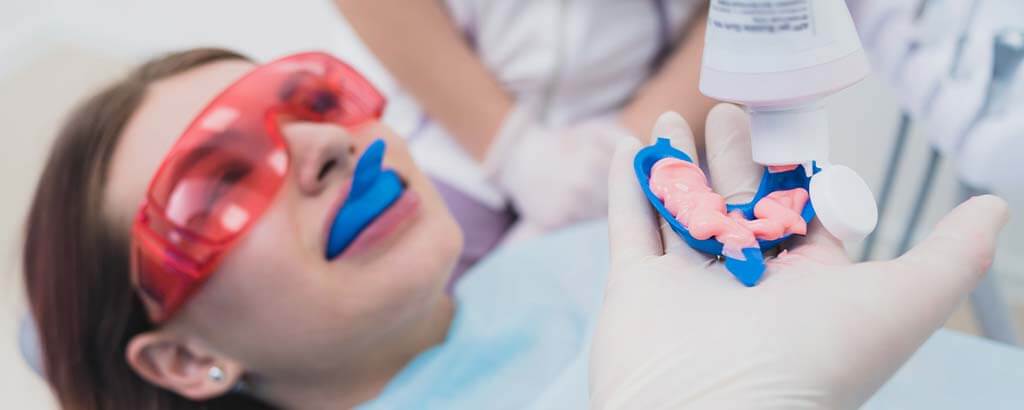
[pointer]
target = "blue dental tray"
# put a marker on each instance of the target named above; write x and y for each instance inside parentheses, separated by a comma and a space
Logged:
(750, 271)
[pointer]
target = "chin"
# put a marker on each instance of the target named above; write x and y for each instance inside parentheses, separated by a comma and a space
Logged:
(436, 240)
(437, 247)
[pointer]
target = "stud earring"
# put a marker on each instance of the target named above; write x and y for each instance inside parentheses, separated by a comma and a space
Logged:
(216, 374)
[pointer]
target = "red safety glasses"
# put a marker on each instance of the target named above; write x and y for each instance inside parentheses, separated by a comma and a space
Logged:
(227, 167)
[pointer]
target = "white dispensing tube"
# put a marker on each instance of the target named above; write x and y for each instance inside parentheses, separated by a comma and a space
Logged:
(780, 59)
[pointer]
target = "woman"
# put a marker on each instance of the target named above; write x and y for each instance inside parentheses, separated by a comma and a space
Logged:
(279, 320)
(91, 321)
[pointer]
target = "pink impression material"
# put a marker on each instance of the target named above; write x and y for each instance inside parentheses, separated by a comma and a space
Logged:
(684, 190)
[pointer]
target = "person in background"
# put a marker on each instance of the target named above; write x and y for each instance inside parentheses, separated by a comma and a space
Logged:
(521, 102)
(507, 92)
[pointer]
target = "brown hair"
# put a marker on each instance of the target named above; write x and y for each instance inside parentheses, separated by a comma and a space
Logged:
(76, 261)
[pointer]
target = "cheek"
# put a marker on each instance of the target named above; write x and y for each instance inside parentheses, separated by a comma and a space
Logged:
(260, 277)
(429, 253)
(276, 283)
(269, 283)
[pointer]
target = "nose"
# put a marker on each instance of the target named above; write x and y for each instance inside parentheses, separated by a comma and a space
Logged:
(321, 154)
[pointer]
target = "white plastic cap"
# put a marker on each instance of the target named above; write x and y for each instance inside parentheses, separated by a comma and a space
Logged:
(844, 203)
(790, 136)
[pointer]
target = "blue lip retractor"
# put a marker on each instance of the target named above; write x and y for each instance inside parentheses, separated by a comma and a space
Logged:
(748, 272)
(373, 191)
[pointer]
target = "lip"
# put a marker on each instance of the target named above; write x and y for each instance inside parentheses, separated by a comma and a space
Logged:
(386, 226)
(404, 208)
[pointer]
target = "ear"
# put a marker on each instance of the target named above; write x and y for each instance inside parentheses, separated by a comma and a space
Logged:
(182, 367)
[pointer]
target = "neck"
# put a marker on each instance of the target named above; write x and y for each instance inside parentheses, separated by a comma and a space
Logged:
(363, 378)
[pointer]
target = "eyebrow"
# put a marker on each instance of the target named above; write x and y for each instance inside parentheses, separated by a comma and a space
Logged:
(210, 146)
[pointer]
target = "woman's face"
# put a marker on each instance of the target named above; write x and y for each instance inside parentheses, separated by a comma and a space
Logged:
(276, 303)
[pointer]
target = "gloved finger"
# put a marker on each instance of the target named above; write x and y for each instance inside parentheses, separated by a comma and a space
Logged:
(734, 174)
(673, 126)
(961, 247)
(592, 193)
(905, 300)
(573, 194)
(632, 230)
(820, 245)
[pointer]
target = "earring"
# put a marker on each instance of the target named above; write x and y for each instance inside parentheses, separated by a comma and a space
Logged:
(216, 374)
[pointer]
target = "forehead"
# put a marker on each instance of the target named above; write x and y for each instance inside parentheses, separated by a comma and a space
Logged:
(169, 106)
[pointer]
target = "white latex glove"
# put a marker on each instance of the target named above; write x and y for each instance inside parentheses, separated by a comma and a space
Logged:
(554, 177)
(677, 331)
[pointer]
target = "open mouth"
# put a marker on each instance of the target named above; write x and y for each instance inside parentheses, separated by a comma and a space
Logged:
(374, 191)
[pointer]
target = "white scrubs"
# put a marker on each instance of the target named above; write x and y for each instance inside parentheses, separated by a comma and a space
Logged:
(571, 60)
(946, 84)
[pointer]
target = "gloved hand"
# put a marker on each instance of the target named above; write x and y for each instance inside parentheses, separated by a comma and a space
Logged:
(677, 331)
(553, 177)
